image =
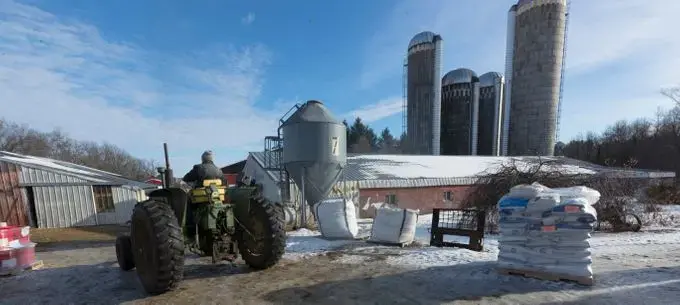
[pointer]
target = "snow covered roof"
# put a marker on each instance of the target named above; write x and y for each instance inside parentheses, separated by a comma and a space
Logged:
(81, 172)
(399, 171)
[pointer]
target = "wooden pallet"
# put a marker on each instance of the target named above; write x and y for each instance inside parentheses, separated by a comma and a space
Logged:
(35, 266)
(587, 281)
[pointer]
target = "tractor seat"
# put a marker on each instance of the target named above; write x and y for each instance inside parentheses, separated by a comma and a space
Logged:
(203, 194)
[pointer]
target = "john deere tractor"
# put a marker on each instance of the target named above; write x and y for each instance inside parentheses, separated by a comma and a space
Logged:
(230, 221)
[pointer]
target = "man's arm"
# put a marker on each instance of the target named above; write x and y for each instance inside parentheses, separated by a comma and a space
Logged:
(192, 175)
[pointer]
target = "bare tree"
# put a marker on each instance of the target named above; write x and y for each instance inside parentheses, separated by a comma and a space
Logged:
(616, 193)
(672, 93)
(57, 145)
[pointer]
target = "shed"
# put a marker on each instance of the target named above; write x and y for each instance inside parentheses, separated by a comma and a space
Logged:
(46, 193)
(232, 171)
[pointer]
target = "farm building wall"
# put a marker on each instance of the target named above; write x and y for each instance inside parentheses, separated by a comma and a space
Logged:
(82, 205)
(421, 198)
(270, 187)
(45, 199)
(13, 208)
(63, 206)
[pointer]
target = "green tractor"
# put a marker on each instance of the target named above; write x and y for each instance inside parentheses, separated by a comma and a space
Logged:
(230, 221)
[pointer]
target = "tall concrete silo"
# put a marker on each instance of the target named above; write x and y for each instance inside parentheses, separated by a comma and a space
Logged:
(423, 94)
(539, 31)
(460, 112)
(314, 150)
(509, 52)
(490, 113)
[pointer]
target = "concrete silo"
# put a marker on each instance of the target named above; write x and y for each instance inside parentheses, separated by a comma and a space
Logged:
(423, 94)
(460, 108)
(509, 51)
(534, 84)
(490, 113)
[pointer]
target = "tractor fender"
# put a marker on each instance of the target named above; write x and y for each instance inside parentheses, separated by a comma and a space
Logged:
(240, 198)
(177, 198)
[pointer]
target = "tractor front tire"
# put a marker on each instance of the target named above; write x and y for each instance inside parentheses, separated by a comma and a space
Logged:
(124, 253)
(158, 246)
(266, 221)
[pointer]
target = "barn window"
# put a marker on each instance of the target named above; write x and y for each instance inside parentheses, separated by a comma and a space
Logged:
(103, 199)
(448, 196)
(391, 199)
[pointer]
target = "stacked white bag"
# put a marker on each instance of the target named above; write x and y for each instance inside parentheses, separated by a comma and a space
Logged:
(547, 230)
(337, 219)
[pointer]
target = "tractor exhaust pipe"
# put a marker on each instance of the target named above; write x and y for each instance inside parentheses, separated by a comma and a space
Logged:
(168, 177)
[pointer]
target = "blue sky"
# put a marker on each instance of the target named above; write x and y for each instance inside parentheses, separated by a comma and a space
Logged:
(138, 73)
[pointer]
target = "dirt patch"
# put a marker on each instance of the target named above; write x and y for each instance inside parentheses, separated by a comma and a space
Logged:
(93, 233)
(76, 238)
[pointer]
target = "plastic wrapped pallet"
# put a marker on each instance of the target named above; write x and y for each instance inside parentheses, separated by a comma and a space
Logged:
(17, 252)
(547, 230)
(394, 226)
(337, 219)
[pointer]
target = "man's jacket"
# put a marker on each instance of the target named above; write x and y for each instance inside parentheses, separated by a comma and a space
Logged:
(201, 172)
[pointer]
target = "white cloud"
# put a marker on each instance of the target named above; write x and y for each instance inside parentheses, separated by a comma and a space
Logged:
(636, 35)
(380, 110)
(55, 73)
(248, 19)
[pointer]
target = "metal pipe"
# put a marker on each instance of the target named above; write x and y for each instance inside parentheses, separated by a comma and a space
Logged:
(303, 203)
(168, 170)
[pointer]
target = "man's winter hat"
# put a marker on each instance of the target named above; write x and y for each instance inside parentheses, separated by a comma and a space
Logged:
(207, 156)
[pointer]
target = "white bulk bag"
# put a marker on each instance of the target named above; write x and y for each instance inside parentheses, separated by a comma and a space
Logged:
(543, 202)
(394, 226)
(592, 196)
(527, 191)
(337, 219)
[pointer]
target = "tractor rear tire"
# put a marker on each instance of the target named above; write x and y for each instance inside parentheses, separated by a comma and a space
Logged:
(268, 219)
(158, 246)
(124, 253)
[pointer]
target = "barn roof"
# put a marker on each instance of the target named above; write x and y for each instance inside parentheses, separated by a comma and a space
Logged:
(80, 172)
(398, 171)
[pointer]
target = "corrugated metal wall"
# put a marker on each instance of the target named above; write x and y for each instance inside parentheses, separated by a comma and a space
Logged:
(124, 199)
(72, 206)
(13, 208)
(65, 201)
(64, 206)
(33, 176)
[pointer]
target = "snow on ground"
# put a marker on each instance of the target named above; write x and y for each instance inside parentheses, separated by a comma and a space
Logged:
(304, 243)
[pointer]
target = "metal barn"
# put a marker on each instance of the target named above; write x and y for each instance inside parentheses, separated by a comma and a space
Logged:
(46, 193)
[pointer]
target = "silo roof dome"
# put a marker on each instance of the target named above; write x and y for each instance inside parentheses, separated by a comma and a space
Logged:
(459, 76)
(489, 79)
(422, 37)
(312, 111)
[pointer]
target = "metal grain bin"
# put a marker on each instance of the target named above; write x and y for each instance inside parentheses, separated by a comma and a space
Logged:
(314, 150)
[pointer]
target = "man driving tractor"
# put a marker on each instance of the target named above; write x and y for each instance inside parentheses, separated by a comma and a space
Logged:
(205, 171)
